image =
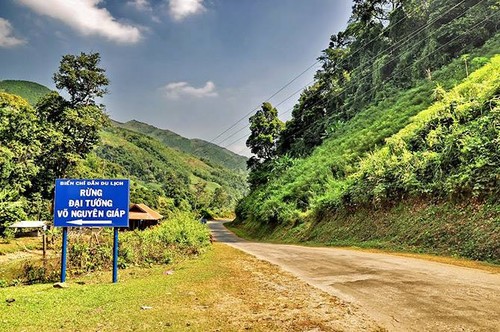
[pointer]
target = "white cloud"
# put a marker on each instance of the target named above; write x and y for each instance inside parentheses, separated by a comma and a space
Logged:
(87, 18)
(180, 9)
(177, 90)
(146, 7)
(6, 38)
(141, 5)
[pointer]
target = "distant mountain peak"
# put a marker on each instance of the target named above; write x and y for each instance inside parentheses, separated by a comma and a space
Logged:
(197, 147)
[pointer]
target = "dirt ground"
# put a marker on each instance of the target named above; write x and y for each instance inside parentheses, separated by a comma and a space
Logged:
(20, 255)
(225, 290)
(400, 293)
(270, 299)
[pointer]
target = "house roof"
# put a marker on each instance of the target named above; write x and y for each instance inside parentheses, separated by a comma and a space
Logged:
(29, 224)
(143, 212)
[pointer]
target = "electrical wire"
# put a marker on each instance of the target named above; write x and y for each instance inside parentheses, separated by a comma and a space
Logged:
(403, 70)
(391, 48)
(290, 96)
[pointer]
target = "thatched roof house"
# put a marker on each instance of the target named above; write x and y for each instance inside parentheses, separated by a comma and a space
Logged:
(142, 216)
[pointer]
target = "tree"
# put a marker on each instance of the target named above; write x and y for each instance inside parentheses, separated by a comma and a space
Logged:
(70, 129)
(265, 130)
(19, 145)
(11, 208)
(201, 197)
(265, 127)
(221, 201)
(82, 78)
(373, 11)
(307, 128)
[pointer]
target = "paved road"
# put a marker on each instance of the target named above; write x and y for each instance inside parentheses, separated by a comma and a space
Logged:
(402, 294)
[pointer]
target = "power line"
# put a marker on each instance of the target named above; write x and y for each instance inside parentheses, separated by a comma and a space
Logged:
(404, 69)
(414, 46)
(343, 61)
(273, 95)
(248, 125)
(290, 96)
(392, 48)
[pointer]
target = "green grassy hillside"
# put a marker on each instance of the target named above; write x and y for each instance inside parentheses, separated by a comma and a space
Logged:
(403, 172)
(202, 149)
(396, 144)
(162, 177)
(30, 91)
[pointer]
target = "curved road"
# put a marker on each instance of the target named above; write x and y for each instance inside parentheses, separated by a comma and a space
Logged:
(400, 293)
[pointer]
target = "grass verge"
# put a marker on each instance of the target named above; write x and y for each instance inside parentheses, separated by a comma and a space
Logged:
(223, 290)
(444, 232)
(18, 244)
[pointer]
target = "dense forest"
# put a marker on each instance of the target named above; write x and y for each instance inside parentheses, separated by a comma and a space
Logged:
(43, 136)
(396, 144)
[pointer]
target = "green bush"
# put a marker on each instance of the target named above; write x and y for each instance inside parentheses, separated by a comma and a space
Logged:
(178, 237)
(10, 211)
(436, 142)
(398, 148)
(34, 274)
(450, 150)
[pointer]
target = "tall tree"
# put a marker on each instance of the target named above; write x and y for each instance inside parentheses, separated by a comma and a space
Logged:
(19, 145)
(220, 200)
(82, 77)
(265, 127)
(307, 127)
(70, 129)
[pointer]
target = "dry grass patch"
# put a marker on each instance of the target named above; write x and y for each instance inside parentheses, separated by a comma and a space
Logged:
(224, 290)
(19, 244)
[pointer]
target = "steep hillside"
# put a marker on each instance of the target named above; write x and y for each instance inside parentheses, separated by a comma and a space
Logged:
(399, 150)
(162, 177)
(202, 149)
(30, 91)
(413, 192)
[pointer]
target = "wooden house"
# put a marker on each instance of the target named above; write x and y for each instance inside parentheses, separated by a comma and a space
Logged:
(142, 216)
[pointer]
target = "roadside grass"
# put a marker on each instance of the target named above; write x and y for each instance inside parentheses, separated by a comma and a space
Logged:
(18, 244)
(11, 270)
(410, 229)
(178, 238)
(222, 290)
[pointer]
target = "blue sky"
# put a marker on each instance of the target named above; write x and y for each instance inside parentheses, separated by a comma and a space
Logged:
(191, 66)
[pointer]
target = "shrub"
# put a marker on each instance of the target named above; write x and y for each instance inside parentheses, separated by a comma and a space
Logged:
(177, 237)
(33, 273)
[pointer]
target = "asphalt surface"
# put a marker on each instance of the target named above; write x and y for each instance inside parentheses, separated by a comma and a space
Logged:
(400, 293)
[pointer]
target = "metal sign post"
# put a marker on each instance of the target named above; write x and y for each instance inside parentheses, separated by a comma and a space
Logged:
(115, 255)
(63, 254)
(91, 203)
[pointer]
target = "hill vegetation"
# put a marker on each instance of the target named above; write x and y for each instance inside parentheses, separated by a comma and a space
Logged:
(162, 177)
(51, 137)
(396, 138)
(47, 137)
(206, 151)
(30, 91)
(42, 143)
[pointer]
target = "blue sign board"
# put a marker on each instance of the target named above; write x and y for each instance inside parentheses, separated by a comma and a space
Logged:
(91, 203)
